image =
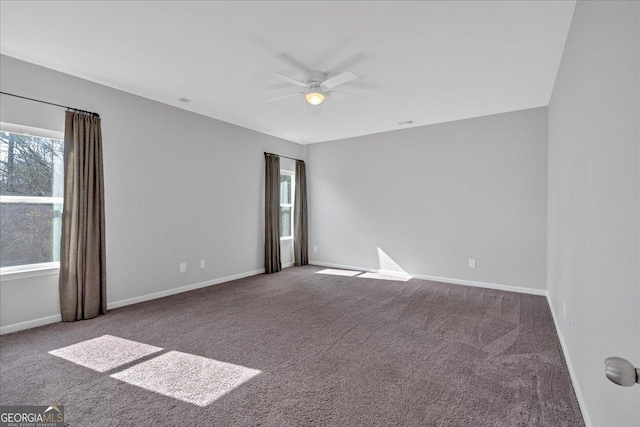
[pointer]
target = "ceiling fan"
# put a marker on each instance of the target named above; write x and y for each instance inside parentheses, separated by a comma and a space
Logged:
(318, 86)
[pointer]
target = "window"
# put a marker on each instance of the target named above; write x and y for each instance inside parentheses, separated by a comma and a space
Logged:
(287, 194)
(31, 190)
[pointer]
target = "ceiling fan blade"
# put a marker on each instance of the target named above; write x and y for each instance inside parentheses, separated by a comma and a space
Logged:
(277, 86)
(292, 62)
(289, 80)
(350, 62)
(364, 98)
(278, 98)
(341, 78)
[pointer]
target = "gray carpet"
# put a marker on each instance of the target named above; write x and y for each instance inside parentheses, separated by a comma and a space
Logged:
(299, 348)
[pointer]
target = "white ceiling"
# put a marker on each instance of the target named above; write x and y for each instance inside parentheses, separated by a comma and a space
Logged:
(429, 62)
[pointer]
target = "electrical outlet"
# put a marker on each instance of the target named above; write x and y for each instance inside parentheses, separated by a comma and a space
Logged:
(472, 263)
(203, 264)
(183, 267)
(315, 248)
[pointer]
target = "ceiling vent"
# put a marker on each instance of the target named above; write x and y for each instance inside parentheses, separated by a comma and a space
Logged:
(185, 100)
(408, 122)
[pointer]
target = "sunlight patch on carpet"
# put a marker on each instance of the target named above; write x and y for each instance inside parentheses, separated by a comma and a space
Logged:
(192, 379)
(105, 353)
(334, 272)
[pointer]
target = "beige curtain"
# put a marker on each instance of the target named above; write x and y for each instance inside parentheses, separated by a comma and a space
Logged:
(83, 284)
(300, 240)
(272, 262)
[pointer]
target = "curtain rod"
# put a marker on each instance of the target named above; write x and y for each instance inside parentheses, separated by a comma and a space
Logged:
(284, 157)
(51, 103)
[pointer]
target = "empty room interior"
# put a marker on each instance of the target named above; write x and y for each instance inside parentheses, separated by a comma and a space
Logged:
(301, 213)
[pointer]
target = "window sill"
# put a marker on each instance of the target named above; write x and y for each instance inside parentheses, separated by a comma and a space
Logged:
(286, 239)
(15, 273)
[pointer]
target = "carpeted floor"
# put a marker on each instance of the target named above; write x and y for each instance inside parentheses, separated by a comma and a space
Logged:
(299, 348)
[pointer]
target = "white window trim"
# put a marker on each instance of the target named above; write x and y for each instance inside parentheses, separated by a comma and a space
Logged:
(29, 270)
(32, 199)
(293, 201)
(32, 131)
(45, 268)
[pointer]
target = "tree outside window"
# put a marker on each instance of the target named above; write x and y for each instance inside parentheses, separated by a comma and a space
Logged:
(31, 190)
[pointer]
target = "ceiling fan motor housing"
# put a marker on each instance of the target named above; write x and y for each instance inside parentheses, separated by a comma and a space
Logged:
(315, 78)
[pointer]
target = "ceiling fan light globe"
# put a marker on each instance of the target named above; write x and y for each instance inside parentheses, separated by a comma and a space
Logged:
(314, 98)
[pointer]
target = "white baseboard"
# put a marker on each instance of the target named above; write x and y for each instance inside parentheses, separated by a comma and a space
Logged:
(168, 292)
(30, 324)
(572, 374)
(57, 318)
(486, 285)
(287, 265)
(508, 288)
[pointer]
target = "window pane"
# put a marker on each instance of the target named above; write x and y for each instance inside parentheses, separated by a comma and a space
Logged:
(285, 222)
(30, 165)
(285, 189)
(29, 233)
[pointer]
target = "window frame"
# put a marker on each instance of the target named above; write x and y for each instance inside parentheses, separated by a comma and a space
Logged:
(289, 205)
(43, 268)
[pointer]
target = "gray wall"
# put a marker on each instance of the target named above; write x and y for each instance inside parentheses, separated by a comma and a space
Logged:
(432, 197)
(594, 205)
(179, 187)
